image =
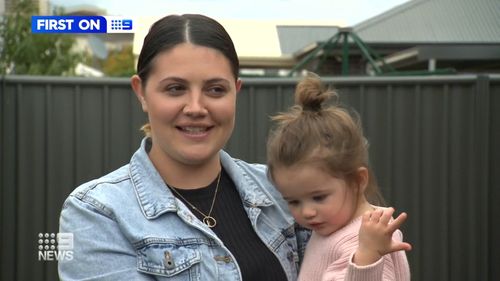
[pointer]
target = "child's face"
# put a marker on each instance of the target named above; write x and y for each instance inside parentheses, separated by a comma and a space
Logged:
(316, 199)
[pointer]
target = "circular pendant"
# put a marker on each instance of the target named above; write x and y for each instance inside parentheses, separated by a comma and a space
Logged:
(209, 221)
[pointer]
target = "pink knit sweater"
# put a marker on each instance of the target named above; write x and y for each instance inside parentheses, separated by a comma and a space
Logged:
(329, 258)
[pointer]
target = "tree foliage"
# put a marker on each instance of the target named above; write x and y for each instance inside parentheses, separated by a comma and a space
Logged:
(120, 63)
(22, 52)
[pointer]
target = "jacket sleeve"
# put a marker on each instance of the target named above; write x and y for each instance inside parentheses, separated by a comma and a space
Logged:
(100, 250)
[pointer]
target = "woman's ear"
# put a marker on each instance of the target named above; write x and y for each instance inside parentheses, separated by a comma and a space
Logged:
(136, 83)
(238, 85)
(363, 178)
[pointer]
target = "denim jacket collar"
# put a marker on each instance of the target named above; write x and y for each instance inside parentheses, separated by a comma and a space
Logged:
(155, 198)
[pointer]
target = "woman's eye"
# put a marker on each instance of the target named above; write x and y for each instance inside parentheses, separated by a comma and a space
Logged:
(175, 89)
(216, 91)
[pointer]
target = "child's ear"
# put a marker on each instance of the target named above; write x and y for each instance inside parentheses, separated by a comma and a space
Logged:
(363, 177)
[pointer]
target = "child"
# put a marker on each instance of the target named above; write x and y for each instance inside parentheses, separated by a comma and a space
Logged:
(318, 159)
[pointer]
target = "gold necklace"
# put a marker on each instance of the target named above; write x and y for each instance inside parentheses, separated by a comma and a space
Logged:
(207, 219)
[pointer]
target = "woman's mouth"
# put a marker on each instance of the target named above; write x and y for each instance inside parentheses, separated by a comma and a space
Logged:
(196, 131)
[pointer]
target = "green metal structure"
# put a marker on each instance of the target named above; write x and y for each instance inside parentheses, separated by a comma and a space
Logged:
(343, 39)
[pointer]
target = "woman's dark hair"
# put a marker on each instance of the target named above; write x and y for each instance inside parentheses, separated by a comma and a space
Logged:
(171, 30)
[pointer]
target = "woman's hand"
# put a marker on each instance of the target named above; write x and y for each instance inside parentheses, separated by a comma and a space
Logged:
(375, 236)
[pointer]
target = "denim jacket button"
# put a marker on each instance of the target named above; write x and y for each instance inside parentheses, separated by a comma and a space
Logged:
(169, 261)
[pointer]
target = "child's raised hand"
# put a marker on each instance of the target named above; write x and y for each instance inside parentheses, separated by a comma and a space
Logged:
(375, 236)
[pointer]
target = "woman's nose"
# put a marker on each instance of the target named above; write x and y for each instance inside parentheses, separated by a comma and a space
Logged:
(195, 105)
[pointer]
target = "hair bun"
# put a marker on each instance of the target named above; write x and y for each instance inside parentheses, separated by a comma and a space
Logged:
(310, 94)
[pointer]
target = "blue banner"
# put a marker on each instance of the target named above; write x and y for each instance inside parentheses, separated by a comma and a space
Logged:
(68, 24)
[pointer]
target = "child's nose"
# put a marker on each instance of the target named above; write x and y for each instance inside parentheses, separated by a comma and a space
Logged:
(308, 212)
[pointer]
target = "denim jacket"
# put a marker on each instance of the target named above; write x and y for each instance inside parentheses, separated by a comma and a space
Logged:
(128, 225)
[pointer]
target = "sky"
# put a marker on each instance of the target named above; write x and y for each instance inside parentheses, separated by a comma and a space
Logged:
(347, 12)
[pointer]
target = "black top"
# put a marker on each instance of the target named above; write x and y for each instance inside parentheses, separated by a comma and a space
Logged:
(233, 227)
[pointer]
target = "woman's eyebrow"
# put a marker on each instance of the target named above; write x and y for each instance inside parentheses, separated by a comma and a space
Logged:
(174, 78)
(216, 80)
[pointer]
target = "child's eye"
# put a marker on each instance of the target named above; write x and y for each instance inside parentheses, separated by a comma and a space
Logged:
(293, 202)
(319, 198)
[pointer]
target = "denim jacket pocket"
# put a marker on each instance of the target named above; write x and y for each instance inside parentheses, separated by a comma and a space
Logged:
(176, 262)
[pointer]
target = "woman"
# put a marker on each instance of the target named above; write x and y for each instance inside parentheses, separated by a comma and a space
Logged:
(183, 209)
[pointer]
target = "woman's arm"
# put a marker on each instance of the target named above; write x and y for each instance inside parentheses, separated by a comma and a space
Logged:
(100, 250)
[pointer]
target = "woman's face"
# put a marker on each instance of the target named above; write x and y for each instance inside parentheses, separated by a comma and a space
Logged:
(190, 99)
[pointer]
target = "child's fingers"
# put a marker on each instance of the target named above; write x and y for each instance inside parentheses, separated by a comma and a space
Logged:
(386, 215)
(366, 216)
(397, 222)
(375, 216)
(401, 246)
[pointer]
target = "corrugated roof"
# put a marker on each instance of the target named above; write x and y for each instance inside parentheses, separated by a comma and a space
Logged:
(256, 39)
(295, 38)
(435, 21)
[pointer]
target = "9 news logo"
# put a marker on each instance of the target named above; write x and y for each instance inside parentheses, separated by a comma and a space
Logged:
(81, 24)
(119, 24)
(55, 246)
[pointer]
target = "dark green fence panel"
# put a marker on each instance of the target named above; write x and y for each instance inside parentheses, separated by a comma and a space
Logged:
(492, 180)
(433, 145)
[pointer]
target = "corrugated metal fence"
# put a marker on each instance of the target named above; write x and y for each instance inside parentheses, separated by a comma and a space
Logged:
(434, 148)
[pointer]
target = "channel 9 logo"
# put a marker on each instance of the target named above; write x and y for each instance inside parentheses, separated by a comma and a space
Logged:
(119, 24)
(55, 246)
(82, 24)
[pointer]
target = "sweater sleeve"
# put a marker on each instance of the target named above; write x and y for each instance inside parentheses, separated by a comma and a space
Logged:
(390, 267)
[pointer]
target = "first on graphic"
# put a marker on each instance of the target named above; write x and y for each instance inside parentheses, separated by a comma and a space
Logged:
(81, 24)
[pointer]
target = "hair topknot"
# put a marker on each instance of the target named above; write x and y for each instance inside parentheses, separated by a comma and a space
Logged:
(311, 94)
